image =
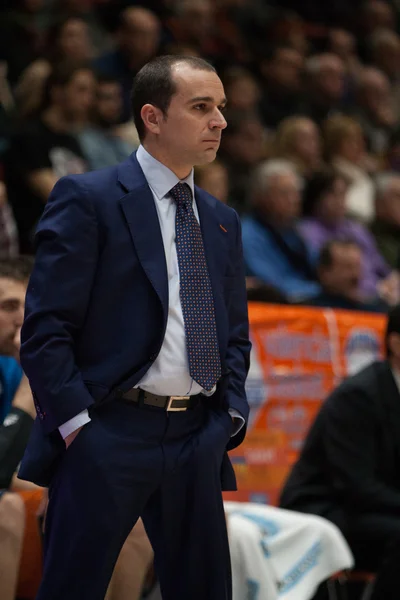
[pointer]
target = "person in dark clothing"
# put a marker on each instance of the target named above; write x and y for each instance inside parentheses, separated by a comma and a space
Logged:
(348, 470)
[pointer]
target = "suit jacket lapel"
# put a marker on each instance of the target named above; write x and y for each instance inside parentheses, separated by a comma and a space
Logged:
(142, 219)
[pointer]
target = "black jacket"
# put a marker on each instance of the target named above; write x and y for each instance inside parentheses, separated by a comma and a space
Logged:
(350, 462)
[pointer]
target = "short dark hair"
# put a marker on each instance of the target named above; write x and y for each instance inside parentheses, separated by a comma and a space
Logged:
(154, 84)
(392, 326)
(325, 259)
(17, 269)
(320, 183)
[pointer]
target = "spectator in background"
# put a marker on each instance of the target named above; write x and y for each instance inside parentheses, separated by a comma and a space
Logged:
(281, 72)
(46, 149)
(298, 139)
(339, 273)
(386, 226)
(85, 10)
(392, 159)
(324, 210)
(377, 14)
(242, 89)
(384, 50)
(344, 45)
(346, 153)
(274, 251)
(375, 111)
(193, 24)
(325, 85)
(21, 36)
(68, 40)
(138, 38)
(101, 144)
(348, 470)
(213, 178)
(242, 148)
(9, 244)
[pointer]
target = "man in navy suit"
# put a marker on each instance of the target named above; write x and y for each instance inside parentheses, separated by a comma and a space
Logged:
(135, 343)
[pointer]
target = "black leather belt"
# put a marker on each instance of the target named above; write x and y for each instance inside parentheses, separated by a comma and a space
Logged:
(168, 403)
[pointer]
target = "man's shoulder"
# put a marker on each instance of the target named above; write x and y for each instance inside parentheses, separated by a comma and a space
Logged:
(97, 181)
(366, 381)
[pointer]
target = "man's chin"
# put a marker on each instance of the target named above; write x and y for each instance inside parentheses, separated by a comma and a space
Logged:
(207, 157)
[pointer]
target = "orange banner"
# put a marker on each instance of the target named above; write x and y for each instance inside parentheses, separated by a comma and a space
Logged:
(299, 354)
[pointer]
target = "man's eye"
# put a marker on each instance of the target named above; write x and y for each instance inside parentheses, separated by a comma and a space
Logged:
(200, 106)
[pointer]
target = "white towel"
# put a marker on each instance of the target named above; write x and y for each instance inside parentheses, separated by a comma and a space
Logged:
(280, 554)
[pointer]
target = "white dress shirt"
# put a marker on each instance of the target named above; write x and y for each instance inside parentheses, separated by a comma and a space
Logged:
(169, 374)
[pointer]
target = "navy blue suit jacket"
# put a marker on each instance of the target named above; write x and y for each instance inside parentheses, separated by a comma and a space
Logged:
(97, 301)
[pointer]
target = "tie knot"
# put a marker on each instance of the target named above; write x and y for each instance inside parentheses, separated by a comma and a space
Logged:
(182, 194)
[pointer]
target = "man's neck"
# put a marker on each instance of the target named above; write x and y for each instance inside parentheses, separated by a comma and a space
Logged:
(180, 170)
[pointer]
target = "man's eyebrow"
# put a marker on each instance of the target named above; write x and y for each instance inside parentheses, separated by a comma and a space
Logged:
(206, 99)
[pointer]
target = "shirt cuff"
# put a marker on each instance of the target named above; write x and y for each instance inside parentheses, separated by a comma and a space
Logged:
(73, 424)
(239, 420)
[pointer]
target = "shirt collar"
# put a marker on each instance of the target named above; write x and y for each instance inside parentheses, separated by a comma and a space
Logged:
(160, 179)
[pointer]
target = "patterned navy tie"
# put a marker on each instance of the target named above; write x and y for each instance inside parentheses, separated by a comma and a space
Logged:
(195, 293)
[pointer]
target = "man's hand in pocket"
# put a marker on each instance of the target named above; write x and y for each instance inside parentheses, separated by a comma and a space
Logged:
(70, 438)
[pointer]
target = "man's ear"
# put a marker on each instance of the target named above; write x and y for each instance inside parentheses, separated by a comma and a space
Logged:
(151, 116)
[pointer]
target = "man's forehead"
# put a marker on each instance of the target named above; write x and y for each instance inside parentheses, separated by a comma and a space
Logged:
(198, 83)
(11, 287)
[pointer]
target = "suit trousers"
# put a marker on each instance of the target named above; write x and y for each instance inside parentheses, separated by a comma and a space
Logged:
(132, 461)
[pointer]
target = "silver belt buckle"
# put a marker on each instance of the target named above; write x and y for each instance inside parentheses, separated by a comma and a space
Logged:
(170, 401)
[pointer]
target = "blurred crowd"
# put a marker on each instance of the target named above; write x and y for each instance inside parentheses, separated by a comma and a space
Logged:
(311, 155)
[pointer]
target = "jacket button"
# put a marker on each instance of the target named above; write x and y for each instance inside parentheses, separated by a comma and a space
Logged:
(153, 357)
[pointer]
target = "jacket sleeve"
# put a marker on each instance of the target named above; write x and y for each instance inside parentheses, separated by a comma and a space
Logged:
(56, 303)
(239, 346)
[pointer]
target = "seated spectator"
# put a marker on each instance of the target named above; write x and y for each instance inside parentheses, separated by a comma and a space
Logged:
(392, 158)
(14, 274)
(16, 418)
(348, 469)
(346, 152)
(274, 251)
(281, 71)
(339, 272)
(377, 14)
(375, 108)
(325, 85)
(213, 178)
(138, 38)
(242, 148)
(324, 210)
(44, 150)
(21, 35)
(68, 40)
(384, 50)
(298, 139)
(242, 89)
(101, 143)
(384, 53)
(9, 244)
(344, 44)
(386, 226)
